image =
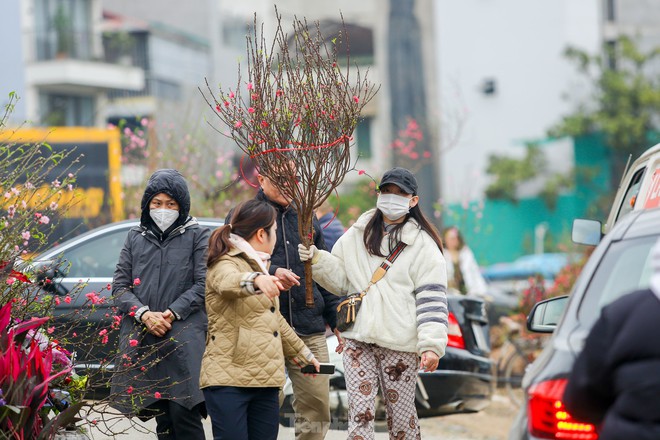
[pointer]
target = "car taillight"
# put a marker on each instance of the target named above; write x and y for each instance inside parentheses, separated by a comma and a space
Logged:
(549, 419)
(455, 333)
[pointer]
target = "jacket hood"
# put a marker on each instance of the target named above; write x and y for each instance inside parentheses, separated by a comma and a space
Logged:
(172, 183)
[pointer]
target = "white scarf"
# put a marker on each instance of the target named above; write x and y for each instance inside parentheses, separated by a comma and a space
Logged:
(260, 257)
(655, 265)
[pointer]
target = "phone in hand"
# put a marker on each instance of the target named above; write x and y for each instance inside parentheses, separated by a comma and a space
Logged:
(324, 369)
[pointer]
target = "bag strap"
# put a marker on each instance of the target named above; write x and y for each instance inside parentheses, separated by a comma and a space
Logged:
(381, 270)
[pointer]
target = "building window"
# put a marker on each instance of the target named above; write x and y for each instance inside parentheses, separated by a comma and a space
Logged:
(610, 10)
(66, 110)
(363, 137)
(234, 33)
(610, 54)
(63, 29)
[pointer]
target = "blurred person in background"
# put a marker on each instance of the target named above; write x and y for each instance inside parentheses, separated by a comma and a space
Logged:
(463, 272)
(330, 224)
(402, 323)
(243, 365)
(615, 383)
(158, 287)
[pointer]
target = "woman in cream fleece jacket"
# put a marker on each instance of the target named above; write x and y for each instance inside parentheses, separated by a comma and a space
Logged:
(403, 317)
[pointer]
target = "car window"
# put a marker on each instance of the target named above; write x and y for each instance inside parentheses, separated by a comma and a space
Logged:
(96, 257)
(630, 198)
(626, 266)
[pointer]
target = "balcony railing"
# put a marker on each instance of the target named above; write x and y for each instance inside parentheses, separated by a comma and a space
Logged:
(64, 44)
(156, 87)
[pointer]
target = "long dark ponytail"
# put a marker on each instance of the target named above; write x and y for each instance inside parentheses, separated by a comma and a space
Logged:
(247, 218)
(374, 231)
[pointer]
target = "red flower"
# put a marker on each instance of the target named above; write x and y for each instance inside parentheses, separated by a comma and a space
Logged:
(217, 108)
(157, 395)
(361, 172)
(250, 110)
(136, 282)
(133, 342)
(238, 124)
(264, 124)
(129, 390)
(92, 297)
(279, 92)
(356, 99)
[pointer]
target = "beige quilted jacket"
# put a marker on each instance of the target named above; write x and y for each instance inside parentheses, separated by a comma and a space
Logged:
(247, 336)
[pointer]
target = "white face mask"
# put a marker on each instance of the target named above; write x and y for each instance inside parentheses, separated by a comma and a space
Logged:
(393, 206)
(164, 218)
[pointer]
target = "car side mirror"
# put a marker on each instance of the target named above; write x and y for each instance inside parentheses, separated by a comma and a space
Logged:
(545, 314)
(587, 232)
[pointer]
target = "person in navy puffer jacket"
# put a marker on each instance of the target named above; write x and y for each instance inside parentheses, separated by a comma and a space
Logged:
(330, 225)
(615, 382)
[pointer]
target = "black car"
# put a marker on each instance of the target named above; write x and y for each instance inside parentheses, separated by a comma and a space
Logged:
(620, 264)
(463, 382)
(83, 267)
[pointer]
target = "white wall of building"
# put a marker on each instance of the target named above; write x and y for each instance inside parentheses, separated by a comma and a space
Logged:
(12, 73)
(519, 45)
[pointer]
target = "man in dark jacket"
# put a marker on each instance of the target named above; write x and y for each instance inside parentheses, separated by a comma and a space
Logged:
(311, 394)
(615, 381)
(159, 289)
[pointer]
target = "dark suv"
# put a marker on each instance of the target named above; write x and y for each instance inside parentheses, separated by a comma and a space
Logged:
(620, 264)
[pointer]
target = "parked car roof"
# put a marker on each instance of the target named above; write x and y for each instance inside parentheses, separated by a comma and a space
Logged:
(547, 264)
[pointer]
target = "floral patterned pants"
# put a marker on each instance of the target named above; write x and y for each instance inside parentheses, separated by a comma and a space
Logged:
(369, 367)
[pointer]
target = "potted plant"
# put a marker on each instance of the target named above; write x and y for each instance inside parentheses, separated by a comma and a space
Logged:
(63, 33)
(120, 45)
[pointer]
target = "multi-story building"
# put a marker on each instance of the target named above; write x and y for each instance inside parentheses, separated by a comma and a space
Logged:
(175, 63)
(53, 59)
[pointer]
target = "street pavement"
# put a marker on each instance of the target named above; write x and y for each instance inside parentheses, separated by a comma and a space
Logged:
(493, 423)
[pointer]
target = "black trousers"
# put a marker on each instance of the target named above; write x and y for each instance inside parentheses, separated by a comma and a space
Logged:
(241, 413)
(174, 421)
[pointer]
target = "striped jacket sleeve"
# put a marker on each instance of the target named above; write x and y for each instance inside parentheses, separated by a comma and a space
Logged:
(430, 292)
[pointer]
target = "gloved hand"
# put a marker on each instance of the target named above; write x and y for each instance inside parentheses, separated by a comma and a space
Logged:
(310, 253)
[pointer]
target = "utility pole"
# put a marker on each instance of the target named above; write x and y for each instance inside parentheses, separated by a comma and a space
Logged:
(407, 87)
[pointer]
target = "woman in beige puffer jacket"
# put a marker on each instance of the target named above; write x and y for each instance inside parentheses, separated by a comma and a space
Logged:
(243, 364)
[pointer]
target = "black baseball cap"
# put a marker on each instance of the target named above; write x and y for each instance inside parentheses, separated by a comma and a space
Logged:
(402, 178)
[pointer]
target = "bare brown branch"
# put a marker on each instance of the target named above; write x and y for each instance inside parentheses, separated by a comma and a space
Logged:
(295, 115)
